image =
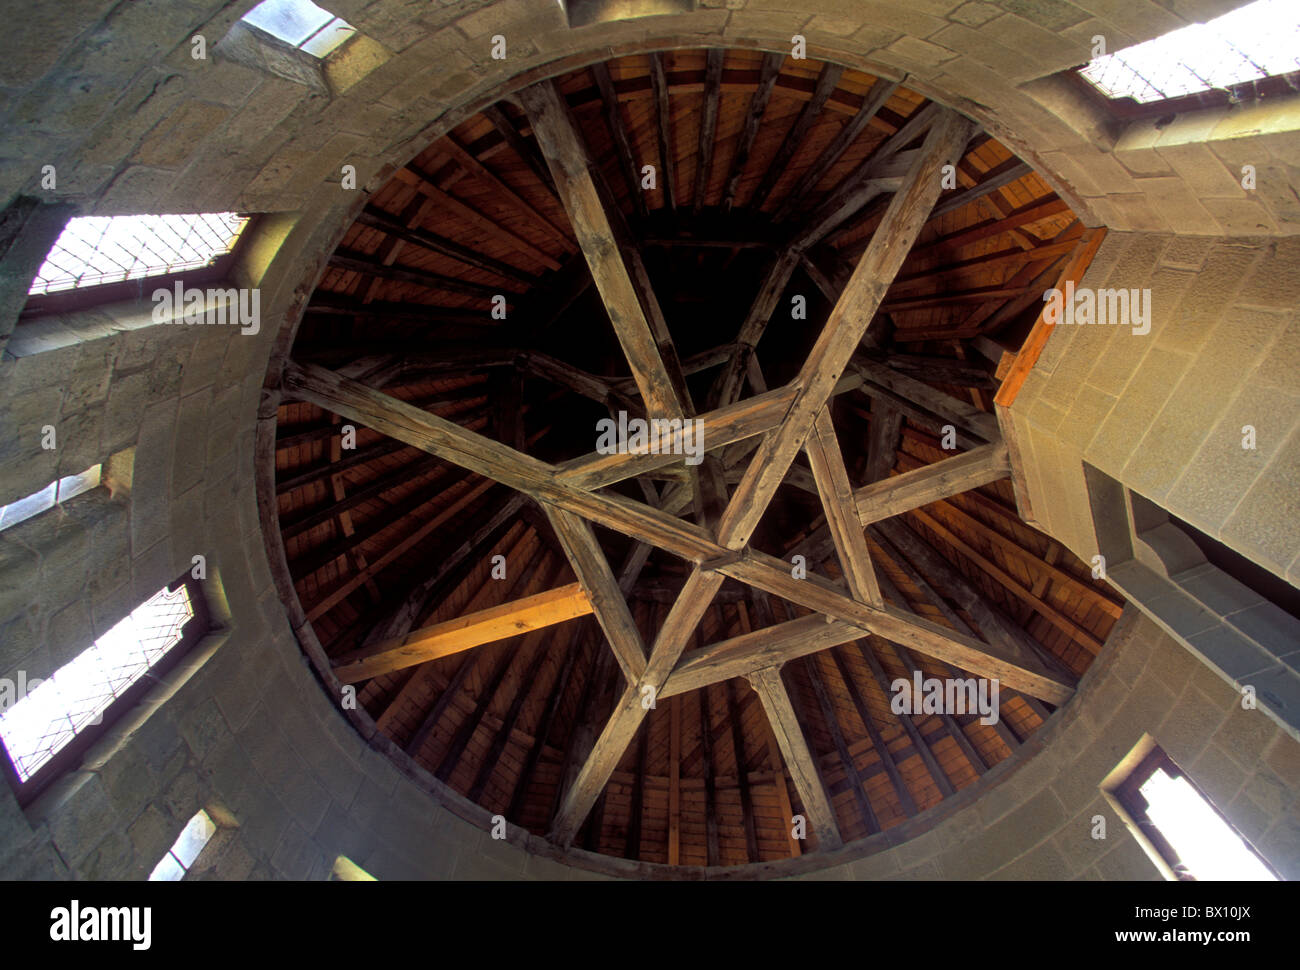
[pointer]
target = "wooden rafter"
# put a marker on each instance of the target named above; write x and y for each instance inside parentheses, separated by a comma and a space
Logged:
(844, 329)
(465, 633)
(602, 590)
(423, 183)
(880, 92)
(708, 126)
(521, 146)
(410, 541)
(377, 218)
(501, 737)
(878, 744)
(911, 490)
(478, 170)
(757, 106)
(664, 130)
(627, 164)
(572, 166)
(832, 723)
(967, 593)
(543, 729)
(711, 847)
(742, 773)
(474, 535)
(874, 176)
(715, 429)
(842, 510)
(524, 558)
(798, 759)
(826, 81)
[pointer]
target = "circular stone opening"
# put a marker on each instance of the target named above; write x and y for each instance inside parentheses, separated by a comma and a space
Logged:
(674, 236)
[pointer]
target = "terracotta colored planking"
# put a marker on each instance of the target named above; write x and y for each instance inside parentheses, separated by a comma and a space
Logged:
(1041, 331)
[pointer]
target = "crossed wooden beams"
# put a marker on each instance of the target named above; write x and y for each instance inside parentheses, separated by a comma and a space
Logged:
(785, 420)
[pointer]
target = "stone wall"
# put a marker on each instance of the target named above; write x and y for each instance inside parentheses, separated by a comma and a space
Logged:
(1163, 412)
(109, 93)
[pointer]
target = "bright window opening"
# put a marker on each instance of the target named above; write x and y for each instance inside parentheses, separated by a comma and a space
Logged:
(109, 249)
(48, 497)
(1180, 828)
(41, 724)
(196, 834)
(1207, 846)
(301, 24)
(345, 870)
(1259, 40)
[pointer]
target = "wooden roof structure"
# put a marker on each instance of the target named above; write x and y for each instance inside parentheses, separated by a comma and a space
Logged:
(831, 274)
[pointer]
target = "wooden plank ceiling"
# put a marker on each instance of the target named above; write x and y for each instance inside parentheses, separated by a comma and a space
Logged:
(794, 269)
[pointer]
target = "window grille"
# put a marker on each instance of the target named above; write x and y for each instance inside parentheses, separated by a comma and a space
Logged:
(58, 718)
(1189, 833)
(107, 249)
(301, 24)
(1259, 40)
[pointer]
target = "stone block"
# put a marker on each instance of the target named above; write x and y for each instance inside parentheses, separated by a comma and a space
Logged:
(1245, 217)
(919, 52)
(1280, 367)
(1127, 862)
(1279, 690)
(305, 799)
(1138, 21)
(176, 137)
(183, 794)
(1179, 205)
(203, 729)
(1217, 774)
(985, 46)
(153, 832)
(78, 813)
(1148, 389)
(1222, 473)
(1280, 845)
(1203, 172)
(1131, 210)
(1230, 652)
(296, 854)
(1172, 665)
(113, 858)
(1044, 863)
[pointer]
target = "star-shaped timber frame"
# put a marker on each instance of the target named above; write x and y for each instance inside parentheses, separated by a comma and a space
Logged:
(780, 422)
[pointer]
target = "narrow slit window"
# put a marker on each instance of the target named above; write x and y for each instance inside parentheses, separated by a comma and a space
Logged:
(345, 870)
(1189, 833)
(44, 732)
(93, 250)
(1259, 40)
(180, 857)
(301, 24)
(51, 495)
